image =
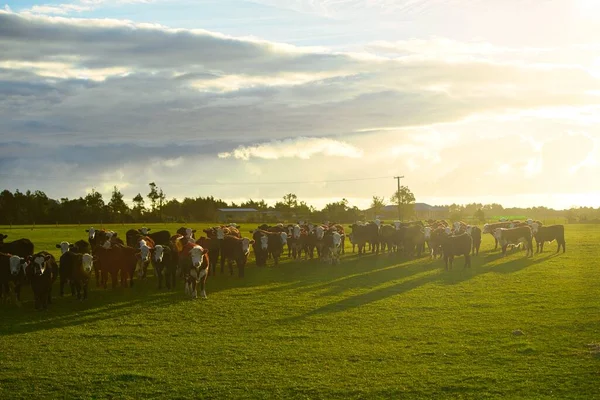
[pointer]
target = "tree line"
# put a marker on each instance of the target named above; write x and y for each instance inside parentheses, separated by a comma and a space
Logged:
(36, 207)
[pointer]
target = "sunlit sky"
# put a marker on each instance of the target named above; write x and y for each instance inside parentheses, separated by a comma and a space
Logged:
(470, 100)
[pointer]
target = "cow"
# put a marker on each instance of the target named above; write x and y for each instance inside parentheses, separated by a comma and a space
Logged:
(235, 249)
(102, 238)
(365, 233)
(162, 261)
(490, 228)
(388, 235)
(42, 274)
(160, 237)
(456, 245)
(548, 233)
(145, 245)
(194, 263)
(514, 236)
(77, 269)
(118, 259)
(435, 241)
(412, 238)
(268, 244)
(186, 232)
(20, 247)
(332, 243)
(12, 271)
(475, 233)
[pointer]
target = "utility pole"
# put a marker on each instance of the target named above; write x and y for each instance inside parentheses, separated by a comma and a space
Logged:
(398, 195)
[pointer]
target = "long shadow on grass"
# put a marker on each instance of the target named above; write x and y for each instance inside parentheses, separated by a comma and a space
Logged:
(421, 275)
(315, 275)
(101, 305)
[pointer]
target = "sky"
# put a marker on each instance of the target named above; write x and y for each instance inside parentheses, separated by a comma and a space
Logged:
(469, 100)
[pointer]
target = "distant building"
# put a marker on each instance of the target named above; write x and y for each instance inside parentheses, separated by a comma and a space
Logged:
(425, 211)
(225, 215)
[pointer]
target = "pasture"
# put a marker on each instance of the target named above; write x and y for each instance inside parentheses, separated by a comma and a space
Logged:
(371, 327)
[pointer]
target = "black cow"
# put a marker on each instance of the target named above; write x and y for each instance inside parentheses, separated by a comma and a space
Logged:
(549, 233)
(266, 244)
(475, 233)
(76, 268)
(161, 237)
(515, 236)
(235, 249)
(162, 260)
(20, 247)
(42, 274)
(456, 245)
(412, 238)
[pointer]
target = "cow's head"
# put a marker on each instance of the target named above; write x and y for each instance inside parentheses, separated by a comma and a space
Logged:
(535, 227)
(264, 242)
(107, 244)
(220, 233)
(337, 239)
(283, 237)
(486, 228)
(397, 225)
(378, 222)
(427, 232)
(456, 226)
(16, 263)
(144, 251)
(40, 263)
(529, 221)
(296, 231)
(158, 253)
(447, 230)
(311, 228)
(144, 231)
(189, 232)
(63, 246)
(197, 255)
(91, 232)
(469, 229)
(320, 232)
(246, 245)
(87, 262)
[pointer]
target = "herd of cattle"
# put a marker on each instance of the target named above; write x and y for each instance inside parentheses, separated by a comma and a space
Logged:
(183, 257)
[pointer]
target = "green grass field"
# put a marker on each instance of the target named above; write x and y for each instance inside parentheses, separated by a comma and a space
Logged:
(371, 327)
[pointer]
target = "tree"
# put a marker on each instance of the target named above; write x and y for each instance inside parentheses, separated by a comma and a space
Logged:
(479, 215)
(153, 195)
(259, 205)
(116, 204)
(405, 200)
(290, 200)
(138, 207)
(377, 204)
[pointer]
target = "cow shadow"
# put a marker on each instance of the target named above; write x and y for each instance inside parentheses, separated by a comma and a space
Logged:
(101, 305)
(316, 275)
(413, 276)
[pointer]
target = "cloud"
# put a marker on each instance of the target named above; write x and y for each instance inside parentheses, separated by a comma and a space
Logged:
(96, 101)
(301, 147)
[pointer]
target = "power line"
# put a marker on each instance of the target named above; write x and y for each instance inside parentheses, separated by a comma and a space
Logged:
(56, 179)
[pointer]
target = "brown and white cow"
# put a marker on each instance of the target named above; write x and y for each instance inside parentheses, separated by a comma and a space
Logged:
(195, 265)
(515, 237)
